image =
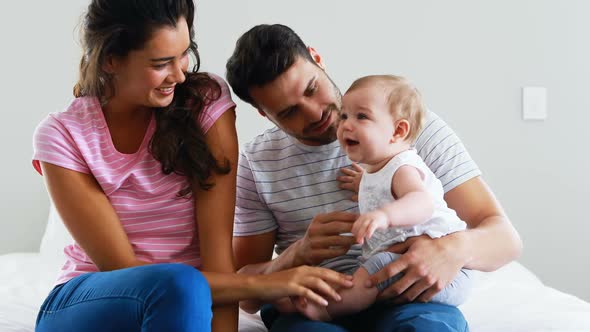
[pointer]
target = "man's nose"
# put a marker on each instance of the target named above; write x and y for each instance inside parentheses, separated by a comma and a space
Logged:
(312, 110)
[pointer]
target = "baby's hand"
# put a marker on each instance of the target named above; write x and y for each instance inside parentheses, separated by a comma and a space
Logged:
(351, 179)
(364, 227)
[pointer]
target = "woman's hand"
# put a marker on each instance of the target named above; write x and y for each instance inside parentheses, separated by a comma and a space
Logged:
(315, 284)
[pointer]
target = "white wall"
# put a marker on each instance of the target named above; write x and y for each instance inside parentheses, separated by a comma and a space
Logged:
(469, 58)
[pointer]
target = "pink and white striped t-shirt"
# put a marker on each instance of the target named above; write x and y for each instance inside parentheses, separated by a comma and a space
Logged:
(160, 226)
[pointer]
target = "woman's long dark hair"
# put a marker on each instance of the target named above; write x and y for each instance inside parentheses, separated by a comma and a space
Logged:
(116, 27)
(179, 142)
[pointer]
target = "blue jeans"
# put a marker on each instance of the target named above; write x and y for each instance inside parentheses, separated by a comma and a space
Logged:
(378, 318)
(158, 297)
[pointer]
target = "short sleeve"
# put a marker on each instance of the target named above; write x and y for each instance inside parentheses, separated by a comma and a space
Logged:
(252, 216)
(444, 153)
(53, 144)
(213, 111)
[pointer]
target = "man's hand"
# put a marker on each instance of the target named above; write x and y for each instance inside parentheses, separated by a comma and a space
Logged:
(368, 223)
(351, 179)
(428, 265)
(323, 239)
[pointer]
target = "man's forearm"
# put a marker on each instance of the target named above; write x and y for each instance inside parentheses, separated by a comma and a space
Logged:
(286, 260)
(490, 245)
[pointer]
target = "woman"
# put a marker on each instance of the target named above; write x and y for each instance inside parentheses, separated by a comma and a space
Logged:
(141, 168)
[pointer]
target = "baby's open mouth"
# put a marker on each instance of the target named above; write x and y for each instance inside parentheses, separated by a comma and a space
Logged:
(351, 142)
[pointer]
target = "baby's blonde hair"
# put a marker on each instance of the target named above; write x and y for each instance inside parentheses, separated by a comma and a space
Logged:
(405, 101)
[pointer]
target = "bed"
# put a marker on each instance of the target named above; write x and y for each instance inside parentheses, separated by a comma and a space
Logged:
(509, 299)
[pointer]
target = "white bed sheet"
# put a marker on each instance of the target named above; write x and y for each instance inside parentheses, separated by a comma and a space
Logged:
(510, 299)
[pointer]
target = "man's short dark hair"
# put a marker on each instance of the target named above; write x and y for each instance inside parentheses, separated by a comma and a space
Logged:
(261, 55)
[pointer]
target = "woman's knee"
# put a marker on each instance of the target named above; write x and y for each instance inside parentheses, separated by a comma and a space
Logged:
(179, 301)
(183, 285)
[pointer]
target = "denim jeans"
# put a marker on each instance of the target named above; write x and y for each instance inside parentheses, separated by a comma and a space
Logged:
(424, 317)
(158, 297)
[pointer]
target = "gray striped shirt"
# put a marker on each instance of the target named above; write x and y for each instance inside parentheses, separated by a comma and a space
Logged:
(283, 184)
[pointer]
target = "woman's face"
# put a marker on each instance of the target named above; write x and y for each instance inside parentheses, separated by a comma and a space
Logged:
(147, 77)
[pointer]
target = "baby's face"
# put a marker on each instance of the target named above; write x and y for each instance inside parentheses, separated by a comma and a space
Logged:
(366, 126)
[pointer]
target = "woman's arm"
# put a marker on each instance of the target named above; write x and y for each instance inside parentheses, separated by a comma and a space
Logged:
(89, 217)
(214, 209)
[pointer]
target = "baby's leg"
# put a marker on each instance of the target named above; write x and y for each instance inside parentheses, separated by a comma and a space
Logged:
(360, 297)
(311, 310)
(354, 299)
(377, 262)
(284, 305)
(457, 291)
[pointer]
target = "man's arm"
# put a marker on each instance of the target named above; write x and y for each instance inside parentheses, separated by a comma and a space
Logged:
(253, 254)
(429, 265)
(487, 226)
(255, 228)
(255, 234)
(254, 224)
(321, 241)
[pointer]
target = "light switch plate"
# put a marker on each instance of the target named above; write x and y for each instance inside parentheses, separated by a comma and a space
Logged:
(534, 103)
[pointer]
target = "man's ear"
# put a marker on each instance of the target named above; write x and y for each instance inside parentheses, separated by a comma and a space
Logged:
(401, 130)
(316, 57)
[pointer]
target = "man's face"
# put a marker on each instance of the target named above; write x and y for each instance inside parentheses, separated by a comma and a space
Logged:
(303, 102)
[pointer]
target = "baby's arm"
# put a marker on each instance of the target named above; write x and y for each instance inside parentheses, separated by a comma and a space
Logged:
(413, 205)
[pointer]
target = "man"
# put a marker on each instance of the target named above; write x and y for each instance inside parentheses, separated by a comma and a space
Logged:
(289, 195)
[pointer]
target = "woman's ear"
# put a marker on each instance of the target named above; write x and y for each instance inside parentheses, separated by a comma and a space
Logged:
(316, 57)
(401, 130)
(109, 65)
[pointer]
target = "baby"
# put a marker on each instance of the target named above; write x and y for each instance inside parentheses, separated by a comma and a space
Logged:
(399, 196)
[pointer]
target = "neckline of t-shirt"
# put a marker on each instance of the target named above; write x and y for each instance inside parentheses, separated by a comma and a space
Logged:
(313, 148)
(144, 142)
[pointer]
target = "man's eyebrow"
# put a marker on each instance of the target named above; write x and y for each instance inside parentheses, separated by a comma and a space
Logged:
(167, 58)
(289, 108)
